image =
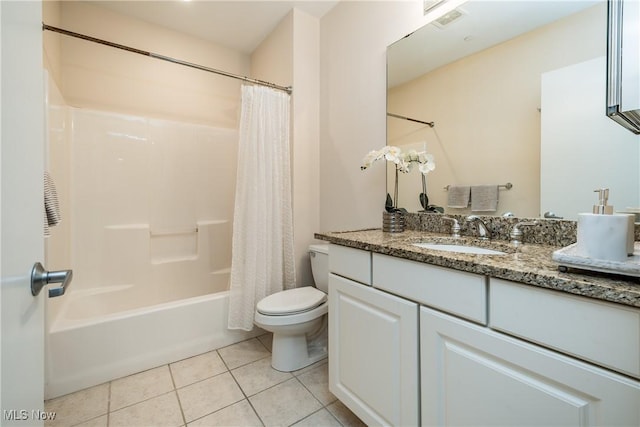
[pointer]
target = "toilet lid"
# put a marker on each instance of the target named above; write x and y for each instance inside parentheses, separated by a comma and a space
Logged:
(291, 301)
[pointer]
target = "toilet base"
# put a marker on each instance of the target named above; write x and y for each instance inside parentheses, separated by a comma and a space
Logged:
(295, 351)
(298, 340)
(290, 353)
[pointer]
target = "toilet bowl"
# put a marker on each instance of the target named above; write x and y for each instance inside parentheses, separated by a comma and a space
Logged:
(297, 318)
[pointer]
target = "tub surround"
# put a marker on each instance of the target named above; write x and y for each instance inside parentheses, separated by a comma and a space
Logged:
(530, 264)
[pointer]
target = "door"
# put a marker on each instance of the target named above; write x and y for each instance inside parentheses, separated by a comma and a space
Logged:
(22, 160)
(373, 353)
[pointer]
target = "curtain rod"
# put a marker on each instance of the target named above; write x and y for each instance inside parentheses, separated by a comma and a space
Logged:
(397, 116)
(287, 89)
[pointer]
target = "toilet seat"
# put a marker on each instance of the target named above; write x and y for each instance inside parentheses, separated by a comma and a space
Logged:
(268, 321)
(291, 301)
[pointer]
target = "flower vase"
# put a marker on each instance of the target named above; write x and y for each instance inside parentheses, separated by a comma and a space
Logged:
(392, 222)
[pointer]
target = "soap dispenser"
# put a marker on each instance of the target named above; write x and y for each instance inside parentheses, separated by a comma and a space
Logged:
(602, 208)
(603, 235)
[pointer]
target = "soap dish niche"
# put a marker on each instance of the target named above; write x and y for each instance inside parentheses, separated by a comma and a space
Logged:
(174, 246)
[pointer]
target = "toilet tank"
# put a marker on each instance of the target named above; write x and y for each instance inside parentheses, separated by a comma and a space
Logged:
(319, 255)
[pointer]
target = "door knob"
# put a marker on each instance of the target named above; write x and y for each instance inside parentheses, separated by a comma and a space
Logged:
(41, 277)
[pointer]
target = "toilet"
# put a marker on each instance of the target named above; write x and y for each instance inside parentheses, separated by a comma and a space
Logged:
(297, 317)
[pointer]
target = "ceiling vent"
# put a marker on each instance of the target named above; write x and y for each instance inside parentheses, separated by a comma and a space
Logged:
(449, 18)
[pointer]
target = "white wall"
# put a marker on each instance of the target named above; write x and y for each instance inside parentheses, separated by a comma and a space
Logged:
(581, 148)
(353, 87)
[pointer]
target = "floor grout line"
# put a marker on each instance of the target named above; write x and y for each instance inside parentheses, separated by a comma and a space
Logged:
(175, 390)
(109, 404)
(237, 355)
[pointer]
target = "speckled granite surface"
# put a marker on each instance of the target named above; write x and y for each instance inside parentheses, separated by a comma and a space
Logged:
(555, 232)
(546, 232)
(530, 264)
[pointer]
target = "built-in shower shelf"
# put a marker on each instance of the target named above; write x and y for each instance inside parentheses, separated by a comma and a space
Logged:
(168, 232)
(168, 260)
(127, 227)
(177, 246)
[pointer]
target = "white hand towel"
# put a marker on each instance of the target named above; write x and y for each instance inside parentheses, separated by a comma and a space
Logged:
(51, 205)
(458, 196)
(484, 198)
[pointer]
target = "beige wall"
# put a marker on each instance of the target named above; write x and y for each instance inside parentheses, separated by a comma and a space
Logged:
(273, 60)
(353, 87)
(485, 107)
(306, 138)
(104, 78)
(290, 56)
(354, 38)
(51, 15)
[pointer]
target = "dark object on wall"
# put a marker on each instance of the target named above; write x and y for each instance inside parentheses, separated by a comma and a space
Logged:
(623, 63)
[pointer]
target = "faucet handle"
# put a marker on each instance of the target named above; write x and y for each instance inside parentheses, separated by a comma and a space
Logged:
(552, 215)
(455, 226)
(516, 234)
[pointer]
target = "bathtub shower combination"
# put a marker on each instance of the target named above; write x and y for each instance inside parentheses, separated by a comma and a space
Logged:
(149, 211)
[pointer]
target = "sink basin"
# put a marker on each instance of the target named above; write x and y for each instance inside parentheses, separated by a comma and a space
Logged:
(459, 248)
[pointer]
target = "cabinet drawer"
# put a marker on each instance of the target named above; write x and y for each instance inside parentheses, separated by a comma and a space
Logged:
(456, 292)
(603, 333)
(351, 263)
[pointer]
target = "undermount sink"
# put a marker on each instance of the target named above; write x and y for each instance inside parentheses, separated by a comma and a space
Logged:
(459, 248)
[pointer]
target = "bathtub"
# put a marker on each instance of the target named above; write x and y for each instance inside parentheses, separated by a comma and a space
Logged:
(84, 349)
(148, 235)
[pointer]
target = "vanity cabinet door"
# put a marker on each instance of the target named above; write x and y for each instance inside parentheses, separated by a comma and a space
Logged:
(373, 353)
(473, 376)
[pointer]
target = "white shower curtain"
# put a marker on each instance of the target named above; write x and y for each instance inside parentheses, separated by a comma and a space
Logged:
(262, 256)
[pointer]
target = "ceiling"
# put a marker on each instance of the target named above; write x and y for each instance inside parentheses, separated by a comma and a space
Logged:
(237, 24)
(243, 24)
(484, 23)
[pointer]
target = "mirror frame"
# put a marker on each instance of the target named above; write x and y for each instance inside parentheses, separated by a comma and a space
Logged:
(623, 42)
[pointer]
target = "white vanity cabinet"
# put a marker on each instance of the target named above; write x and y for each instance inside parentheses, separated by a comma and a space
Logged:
(373, 352)
(471, 375)
(416, 344)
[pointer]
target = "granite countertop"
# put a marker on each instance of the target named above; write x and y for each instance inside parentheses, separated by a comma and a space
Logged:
(530, 264)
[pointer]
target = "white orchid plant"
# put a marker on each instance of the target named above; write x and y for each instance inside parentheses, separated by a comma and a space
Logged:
(404, 162)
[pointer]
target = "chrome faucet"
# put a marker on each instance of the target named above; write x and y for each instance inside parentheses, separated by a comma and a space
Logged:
(455, 226)
(516, 234)
(483, 232)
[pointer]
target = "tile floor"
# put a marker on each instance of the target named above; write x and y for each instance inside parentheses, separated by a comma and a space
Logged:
(231, 386)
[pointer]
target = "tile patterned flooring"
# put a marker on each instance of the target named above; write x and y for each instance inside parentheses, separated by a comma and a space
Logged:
(231, 386)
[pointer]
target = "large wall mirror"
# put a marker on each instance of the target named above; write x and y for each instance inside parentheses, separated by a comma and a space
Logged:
(516, 91)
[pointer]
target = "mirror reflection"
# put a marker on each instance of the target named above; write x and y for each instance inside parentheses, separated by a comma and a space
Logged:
(516, 92)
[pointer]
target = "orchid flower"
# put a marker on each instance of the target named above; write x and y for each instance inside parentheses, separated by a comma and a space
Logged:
(404, 162)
